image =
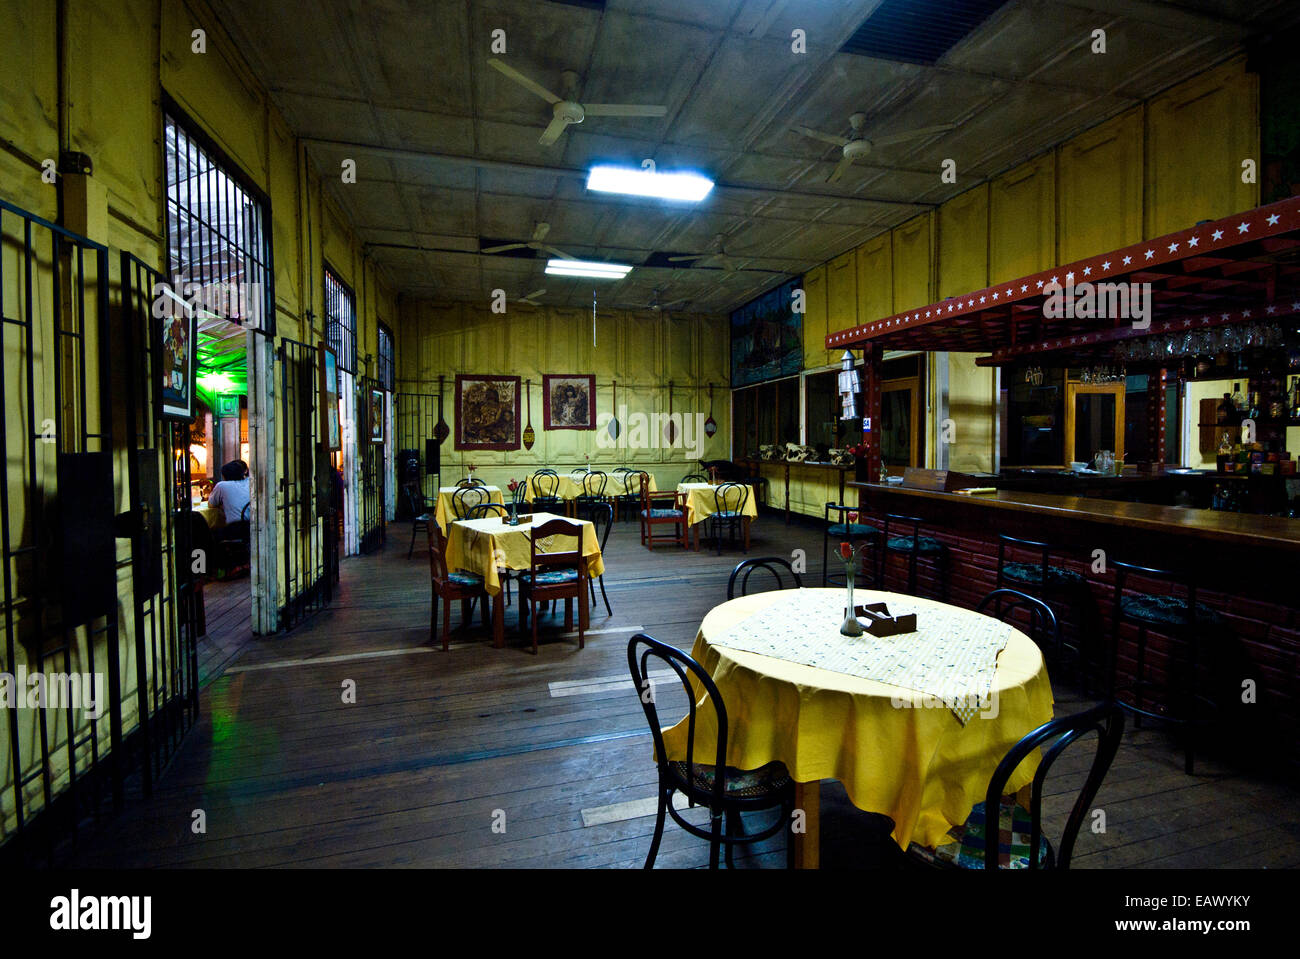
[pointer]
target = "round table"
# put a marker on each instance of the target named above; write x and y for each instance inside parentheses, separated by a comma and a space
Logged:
(895, 752)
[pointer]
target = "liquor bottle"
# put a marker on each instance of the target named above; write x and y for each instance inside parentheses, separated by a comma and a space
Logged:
(1256, 412)
(1295, 398)
(1238, 398)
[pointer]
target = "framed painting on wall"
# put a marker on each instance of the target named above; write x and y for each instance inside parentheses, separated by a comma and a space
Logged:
(376, 416)
(331, 436)
(487, 412)
(767, 337)
(177, 340)
(569, 401)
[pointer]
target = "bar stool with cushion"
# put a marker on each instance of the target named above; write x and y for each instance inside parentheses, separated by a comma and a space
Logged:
(915, 547)
(1049, 581)
(546, 492)
(1190, 624)
(844, 530)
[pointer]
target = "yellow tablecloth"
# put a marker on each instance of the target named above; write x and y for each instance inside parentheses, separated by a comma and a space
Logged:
(214, 517)
(917, 765)
(484, 546)
(570, 487)
(701, 503)
(566, 489)
(445, 512)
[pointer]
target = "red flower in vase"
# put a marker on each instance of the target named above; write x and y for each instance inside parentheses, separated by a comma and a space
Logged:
(846, 551)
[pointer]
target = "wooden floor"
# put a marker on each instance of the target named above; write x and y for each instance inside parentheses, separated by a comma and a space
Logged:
(228, 608)
(440, 748)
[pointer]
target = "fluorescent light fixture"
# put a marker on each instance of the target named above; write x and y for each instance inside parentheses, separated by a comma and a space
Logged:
(589, 268)
(691, 187)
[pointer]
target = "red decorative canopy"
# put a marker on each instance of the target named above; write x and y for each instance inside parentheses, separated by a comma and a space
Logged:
(1240, 268)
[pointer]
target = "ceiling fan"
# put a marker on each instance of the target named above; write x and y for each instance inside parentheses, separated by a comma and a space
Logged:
(856, 146)
(567, 109)
(718, 254)
(539, 234)
(530, 298)
(657, 307)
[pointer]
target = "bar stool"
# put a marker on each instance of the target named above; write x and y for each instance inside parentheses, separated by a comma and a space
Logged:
(1182, 619)
(916, 547)
(844, 532)
(1065, 586)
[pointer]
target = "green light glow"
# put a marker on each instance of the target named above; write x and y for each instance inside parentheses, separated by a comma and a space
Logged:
(217, 383)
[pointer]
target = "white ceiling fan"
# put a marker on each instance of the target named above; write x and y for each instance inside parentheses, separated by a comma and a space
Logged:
(856, 146)
(530, 299)
(567, 109)
(719, 255)
(539, 234)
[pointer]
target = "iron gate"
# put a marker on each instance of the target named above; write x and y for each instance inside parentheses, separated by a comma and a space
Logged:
(57, 507)
(166, 584)
(417, 415)
(371, 399)
(306, 524)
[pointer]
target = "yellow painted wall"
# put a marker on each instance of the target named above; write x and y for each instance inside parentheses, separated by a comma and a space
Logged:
(120, 57)
(642, 351)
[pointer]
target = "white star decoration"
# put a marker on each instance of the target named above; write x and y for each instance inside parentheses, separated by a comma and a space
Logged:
(1173, 247)
(1025, 286)
(1192, 241)
(1217, 235)
(1106, 265)
(1150, 254)
(1087, 271)
(1271, 309)
(1272, 220)
(1243, 227)
(1040, 284)
(1128, 260)
(995, 295)
(1010, 292)
(1069, 277)
(981, 299)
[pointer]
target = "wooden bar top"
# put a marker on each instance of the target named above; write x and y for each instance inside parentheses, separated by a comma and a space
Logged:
(1272, 532)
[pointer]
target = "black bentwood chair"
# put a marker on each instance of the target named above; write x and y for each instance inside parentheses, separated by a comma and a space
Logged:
(725, 791)
(546, 492)
(419, 515)
(483, 511)
(470, 481)
(729, 502)
(1041, 627)
(592, 495)
(467, 498)
(1020, 830)
(627, 502)
(844, 531)
(769, 564)
(602, 517)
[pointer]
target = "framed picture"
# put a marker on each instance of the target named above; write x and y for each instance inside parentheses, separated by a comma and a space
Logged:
(569, 402)
(177, 340)
(487, 412)
(331, 436)
(376, 416)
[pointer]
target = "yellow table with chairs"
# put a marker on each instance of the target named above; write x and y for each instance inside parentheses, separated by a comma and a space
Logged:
(701, 503)
(569, 486)
(898, 751)
(215, 517)
(444, 512)
(486, 546)
(566, 488)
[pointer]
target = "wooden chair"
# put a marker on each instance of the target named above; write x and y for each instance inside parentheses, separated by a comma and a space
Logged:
(466, 587)
(671, 510)
(555, 575)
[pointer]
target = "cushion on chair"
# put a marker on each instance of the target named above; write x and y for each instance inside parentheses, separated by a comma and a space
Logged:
(967, 852)
(1165, 610)
(422, 518)
(1033, 574)
(465, 579)
(925, 544)
(728, 514)
(741, 783)
(663, 513)
(553, 577)
(856, 530)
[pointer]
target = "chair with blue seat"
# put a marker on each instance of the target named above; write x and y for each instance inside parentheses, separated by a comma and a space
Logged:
(843, 530)
(546, 492)
(910, 543)
(725, 791)
(420, 517)
(1055, 582)
(1189, 624)
(662, 509)
(729, 501)
(1018, 842)
(555, 574)
(448, 586)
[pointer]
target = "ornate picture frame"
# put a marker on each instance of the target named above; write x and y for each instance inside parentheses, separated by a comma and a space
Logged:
(487, 412)
(569, 401)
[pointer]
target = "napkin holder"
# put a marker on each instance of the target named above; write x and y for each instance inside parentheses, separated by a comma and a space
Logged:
(875, 617)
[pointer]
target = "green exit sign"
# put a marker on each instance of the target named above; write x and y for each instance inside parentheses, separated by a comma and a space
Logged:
(228, 404)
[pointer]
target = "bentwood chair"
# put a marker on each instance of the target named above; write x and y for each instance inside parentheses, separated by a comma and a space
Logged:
(769, 564)
(729, 501)
(554, 575)
(626, 503)
(419, 514)
(546, 492)
(466, 498)
(844, 528)
(470, 481)
(602, 517)
(725, 791)
(1018, 841)
(915, 547)
(695, 478)
(662, 509)
(483, 511)
(1027, 613)
(447, 586)
(1190, 625)
(592, 495)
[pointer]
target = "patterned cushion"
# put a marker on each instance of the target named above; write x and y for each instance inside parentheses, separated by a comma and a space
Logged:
(465, 579)
(968, 851)
(728, 514)
(422, 518)
(1033, 574)
(741, 783)
(663, 513)
(553, 577)
(1166, 610)
(925, 544)
(856, 530)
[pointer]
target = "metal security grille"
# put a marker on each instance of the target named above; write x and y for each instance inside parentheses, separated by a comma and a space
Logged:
(341, 321)
(60, 556)
(167, 592)
(386, 365)
(417, 415)
(217, 249)
(305, 487)
(371, 531)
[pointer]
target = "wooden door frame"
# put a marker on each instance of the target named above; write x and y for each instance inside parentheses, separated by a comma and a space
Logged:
(1072, 390)
(913, 385)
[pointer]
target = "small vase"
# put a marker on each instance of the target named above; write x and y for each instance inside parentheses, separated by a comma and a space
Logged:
(514, 518)
(850, 626)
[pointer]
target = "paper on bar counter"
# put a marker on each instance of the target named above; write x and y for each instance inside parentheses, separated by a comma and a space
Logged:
(952, 656)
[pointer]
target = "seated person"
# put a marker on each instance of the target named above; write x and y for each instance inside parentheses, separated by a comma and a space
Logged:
(231, 494)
